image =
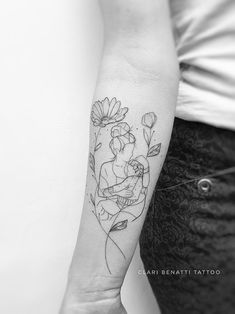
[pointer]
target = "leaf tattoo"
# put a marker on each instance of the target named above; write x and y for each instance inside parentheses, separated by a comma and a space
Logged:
(92, 162)
(92, 199)
(98, 146)
(154, 150)
(119, 226)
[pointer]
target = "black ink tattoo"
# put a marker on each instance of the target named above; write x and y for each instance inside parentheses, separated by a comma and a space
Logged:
(122, 182)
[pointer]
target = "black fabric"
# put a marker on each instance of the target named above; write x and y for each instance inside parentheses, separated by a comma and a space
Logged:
(190, 224)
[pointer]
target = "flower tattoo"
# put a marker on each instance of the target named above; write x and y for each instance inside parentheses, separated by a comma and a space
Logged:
(121, 181)
(106, 112)
(149, 119)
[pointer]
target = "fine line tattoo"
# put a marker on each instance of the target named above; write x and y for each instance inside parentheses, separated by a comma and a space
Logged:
(121, 181)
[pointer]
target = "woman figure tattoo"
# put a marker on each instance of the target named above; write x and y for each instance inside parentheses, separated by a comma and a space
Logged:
(122, 182)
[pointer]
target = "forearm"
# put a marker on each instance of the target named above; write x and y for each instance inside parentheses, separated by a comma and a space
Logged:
(156, 96)
(143, 76)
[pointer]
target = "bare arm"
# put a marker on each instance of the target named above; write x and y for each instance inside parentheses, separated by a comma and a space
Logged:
(131, 116)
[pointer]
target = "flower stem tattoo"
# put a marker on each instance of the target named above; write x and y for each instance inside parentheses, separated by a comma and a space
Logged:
(122, 181)
(149, 120)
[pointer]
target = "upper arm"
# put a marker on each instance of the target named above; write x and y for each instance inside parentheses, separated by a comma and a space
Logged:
(138, 34)
(135, 17)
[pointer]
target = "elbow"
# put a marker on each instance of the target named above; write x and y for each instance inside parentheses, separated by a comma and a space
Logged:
(138, 43)
(140, 66)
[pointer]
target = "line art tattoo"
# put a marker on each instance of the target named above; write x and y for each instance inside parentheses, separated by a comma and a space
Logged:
(122, 181)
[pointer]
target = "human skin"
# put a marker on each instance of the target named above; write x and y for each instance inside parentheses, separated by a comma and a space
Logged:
(138, 68)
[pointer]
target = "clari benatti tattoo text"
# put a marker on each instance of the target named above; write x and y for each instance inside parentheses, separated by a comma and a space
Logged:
(122, 180)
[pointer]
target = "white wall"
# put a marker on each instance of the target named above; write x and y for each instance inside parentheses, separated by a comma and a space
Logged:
(49, 54)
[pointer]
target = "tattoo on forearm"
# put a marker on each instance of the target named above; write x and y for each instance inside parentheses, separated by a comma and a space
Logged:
(121, 181)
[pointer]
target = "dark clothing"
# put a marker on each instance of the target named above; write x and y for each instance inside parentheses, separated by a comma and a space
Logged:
(190, 224)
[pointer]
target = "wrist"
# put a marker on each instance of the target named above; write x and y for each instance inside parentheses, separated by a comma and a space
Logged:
(93, 288)
(111, 306)
(87, 298)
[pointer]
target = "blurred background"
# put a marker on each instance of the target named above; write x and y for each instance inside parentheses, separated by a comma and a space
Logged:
(49, 56)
